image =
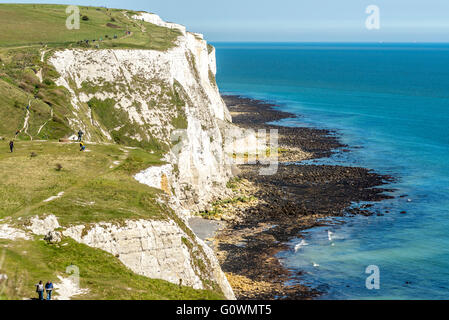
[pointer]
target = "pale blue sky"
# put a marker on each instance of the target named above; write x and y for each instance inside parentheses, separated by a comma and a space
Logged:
(297, 20)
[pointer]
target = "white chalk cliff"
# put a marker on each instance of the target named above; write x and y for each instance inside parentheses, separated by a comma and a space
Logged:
(170, 97)
(140, 82)
(156, 249)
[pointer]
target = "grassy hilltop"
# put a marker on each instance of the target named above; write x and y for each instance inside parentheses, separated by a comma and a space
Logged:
(36, 24)
(98, 185)
(29, 35)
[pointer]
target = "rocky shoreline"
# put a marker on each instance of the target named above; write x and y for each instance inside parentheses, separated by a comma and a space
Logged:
(269, 211)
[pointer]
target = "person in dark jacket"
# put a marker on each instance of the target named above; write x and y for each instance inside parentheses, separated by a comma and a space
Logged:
(11, 146)
(80, 136)
(49, 289)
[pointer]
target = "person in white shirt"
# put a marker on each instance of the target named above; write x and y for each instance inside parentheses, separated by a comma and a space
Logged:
(40, 290)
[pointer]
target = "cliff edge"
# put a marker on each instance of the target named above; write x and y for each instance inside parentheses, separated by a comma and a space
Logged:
(151, 115)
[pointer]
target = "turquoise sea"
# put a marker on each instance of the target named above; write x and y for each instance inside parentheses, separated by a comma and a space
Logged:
(390, 103)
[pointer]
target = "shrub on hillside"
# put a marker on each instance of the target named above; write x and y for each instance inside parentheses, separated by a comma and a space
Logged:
(49, 82)
(26, 87)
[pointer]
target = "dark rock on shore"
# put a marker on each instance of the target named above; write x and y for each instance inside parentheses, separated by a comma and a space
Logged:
(290, 201)
(255, 114)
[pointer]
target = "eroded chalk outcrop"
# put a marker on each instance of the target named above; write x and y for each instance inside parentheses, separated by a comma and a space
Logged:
(142, 86)
(43, 225)
(10, 233)
(156, 249)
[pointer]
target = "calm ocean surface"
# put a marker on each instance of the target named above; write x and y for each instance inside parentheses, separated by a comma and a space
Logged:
(393, 102)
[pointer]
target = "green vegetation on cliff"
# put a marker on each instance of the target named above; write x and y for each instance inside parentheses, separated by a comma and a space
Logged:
(98, 186)
(84, 188)
(30, 35)
(101, 273)
(20, 86)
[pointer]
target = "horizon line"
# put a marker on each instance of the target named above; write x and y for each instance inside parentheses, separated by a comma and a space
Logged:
(333, 42)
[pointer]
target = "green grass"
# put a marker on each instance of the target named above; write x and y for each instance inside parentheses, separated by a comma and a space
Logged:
(27, 262)
(217, 207)
(138, 160)
(96, 188)
(13, 108)
(94, 192)
(27, 30)
(178, 99)
(37, 24)
(233, 183)
(105, 111)
(19, 84)
(112, 198)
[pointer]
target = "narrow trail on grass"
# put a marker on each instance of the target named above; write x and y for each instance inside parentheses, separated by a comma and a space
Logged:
(39, 73)
(128, 35)
(68, 288)
(45, 123)
(142, 27)
(122, 158)
(26, 122)
(43, 54)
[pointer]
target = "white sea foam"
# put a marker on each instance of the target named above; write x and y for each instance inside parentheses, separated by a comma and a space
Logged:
(300, 245)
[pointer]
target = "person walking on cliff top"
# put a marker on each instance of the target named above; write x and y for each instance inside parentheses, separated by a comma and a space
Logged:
(11, 146)
(40, 290)
(49, 289)
(82, 147)
(80, 136)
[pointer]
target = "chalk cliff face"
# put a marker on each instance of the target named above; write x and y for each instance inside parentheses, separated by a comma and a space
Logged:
(156, 249)
(167, 101)
(164, 98)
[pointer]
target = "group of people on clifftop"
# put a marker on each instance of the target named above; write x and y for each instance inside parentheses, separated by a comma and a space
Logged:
(80, 140)
(80, 137)
(40, 288)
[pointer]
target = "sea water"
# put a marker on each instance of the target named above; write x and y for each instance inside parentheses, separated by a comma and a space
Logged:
(390, 104)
